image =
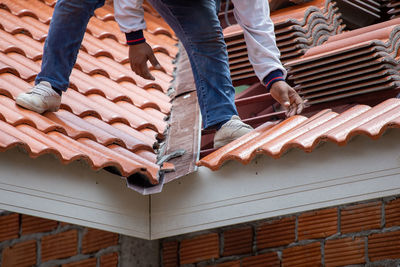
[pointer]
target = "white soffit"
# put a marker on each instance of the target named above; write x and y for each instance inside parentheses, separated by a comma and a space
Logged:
(72, 193)
(299, 181)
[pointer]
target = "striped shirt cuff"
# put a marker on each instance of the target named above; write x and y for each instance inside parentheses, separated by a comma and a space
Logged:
(135, 37)
(272, 77)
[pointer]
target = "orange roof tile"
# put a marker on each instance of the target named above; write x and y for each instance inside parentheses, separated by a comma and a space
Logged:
(345, 70)
(297, 29)
(305, 133)
(110, 116)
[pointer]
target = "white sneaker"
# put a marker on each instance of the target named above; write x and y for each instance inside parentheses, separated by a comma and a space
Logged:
(41, 98)
(230, 131)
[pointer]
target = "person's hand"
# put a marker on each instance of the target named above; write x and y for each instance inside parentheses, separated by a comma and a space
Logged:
(287, 97)
(138, 56)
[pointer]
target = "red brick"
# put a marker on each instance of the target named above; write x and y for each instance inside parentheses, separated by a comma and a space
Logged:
(32, 225)
(20, 255)
(392, 213)
(92, 262)
(264, 260)
(9, 226)
(276, 233)
(361, 217)
(384, 246)
(317, 224)
(307, 255)
(226, 264)
(170, 254)
(200, 248)
(95, 240)
(109, 260)
(59, 246)
(238, 241)
(344, 251)
(62, 224)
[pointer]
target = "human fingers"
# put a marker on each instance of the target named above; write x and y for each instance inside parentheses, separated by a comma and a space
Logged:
(153, 60)
(298, 103)
(138, 56)
(145, 72)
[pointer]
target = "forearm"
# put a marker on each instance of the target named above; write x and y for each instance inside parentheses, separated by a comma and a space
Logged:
(130, 17)
(258, 28)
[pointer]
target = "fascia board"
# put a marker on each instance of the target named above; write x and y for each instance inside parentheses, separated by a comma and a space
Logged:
(329, 176)
(72, 193)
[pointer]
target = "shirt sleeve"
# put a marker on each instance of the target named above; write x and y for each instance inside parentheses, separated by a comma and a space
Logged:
(129, 15)
(254, 17)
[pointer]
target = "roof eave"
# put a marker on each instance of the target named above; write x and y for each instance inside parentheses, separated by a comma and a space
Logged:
(331, 175)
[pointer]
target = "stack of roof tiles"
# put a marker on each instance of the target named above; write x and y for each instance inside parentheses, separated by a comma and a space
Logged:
(297, 29)
(360, 13)
(110, 117)
(359, 66)
(352, 63)
(393, 7)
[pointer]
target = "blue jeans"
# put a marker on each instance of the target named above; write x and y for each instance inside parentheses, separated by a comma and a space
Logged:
(196, 24)
(67, 28)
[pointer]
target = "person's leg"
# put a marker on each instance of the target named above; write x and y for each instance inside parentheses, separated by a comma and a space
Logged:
(67, 28)
(197, 26)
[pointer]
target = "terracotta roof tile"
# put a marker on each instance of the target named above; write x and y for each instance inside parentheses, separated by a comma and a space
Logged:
(110, 116)
(348, 64)
(331, 67)
(297, 29)
(367, 12)
(305, 133)
(393, 8)
(33, 9)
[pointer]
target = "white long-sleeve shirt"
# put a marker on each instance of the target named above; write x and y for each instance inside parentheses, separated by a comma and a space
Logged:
(252, 15)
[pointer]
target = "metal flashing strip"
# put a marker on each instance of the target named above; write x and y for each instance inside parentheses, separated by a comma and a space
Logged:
(184, 131)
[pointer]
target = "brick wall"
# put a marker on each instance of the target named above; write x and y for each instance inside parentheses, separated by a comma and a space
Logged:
(358, 234)
(32, 241)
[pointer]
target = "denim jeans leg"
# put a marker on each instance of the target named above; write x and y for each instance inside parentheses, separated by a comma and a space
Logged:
(197, 26)
(67, 28)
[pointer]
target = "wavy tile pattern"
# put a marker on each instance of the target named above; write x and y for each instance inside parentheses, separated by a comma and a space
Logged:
(393, 8)
(353, 63)
(306, 133)
(359, 13)
(297, 29)
(110, 117)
